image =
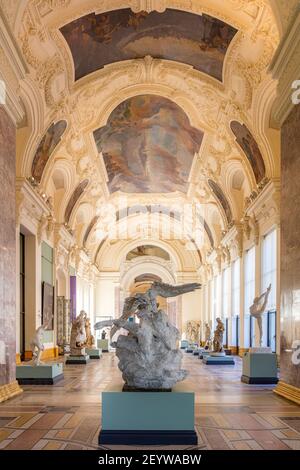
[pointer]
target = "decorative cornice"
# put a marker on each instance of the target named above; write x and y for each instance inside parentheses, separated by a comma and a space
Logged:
(285, 67)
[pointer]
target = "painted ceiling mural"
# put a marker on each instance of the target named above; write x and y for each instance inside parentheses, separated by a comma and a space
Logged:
(250, 148)
(148, 146)
(217, 191)
(77, 193)
(49, 142)
(98, 40)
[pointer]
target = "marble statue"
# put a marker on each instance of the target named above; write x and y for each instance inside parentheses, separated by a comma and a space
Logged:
(37, 345)
(207, 344)
(78, 335)
(149, 357)
(90, 340)
(218, 336)
(192, 330)
(257, 310)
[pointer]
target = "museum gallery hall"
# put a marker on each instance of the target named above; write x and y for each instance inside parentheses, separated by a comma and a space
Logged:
(149, 225)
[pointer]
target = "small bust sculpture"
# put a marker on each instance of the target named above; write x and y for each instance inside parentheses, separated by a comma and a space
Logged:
(257, 310)
(218, 336)
(37, 346)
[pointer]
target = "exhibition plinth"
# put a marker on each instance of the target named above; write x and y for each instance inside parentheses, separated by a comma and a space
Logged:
(214, 360)
(93, 353)
(204, 353)
(259, 368)
(148, 418)
(43, 374)
(80, 359)
(184, 344)
(103, 345)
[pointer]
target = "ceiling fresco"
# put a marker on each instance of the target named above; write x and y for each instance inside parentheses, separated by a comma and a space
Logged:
(217, 191)
(49, 142)
(77, 193)
(98, 40)
(148, 146)
(250, 148)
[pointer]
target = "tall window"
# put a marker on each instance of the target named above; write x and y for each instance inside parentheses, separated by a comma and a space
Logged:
(268, 267)
(235, 288)
(249, 279)
(216, 296)
(22, 296)
(225, 292)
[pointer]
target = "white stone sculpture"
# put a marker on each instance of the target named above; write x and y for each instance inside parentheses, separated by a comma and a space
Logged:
(257, 310)
(78, 335)
(207, 344)
(192, 331)
(149, 358)
(218, 336)
(37, 346)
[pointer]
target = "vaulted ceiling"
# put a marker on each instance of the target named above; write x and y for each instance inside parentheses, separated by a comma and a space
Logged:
(161, 104)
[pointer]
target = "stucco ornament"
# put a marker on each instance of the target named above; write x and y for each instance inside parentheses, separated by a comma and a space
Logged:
(149, 358)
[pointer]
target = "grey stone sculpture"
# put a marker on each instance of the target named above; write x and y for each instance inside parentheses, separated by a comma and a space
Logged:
(149, 358)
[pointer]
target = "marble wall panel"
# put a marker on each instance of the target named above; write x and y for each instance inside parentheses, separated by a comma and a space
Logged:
(290, 249)
(7, 250)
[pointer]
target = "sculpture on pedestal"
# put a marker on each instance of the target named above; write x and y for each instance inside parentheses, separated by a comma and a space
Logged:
(218, 336)
(192, 330)
(257, 310)
(90, 340)
(37, 346)
(207, 344)
(78, 335)
(149, 357)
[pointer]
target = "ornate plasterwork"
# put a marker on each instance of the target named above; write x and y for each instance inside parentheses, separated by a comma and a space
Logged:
(209, 105)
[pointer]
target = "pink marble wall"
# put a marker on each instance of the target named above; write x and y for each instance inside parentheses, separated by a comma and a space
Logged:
(7, 250)
(290, 248)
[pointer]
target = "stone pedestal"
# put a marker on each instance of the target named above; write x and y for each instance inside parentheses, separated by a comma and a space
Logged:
(44, 374)
(211, 360)
(184, 344)
(83, 359)
(93, 353)
(204, 353)
(259, 368)
(103, 345)
(148, 418)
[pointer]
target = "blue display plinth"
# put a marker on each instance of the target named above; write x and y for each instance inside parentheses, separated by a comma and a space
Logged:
(184, 344)
(83, 359)
(93, 353)
(218, 360)
(148, 418)
(44, 374)
(259, 368)
(204, 353)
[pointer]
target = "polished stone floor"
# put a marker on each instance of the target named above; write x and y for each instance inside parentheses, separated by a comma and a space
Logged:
(229, 414)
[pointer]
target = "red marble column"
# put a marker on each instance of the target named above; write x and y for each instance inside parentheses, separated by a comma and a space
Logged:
(8, 384)
(289, 385)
